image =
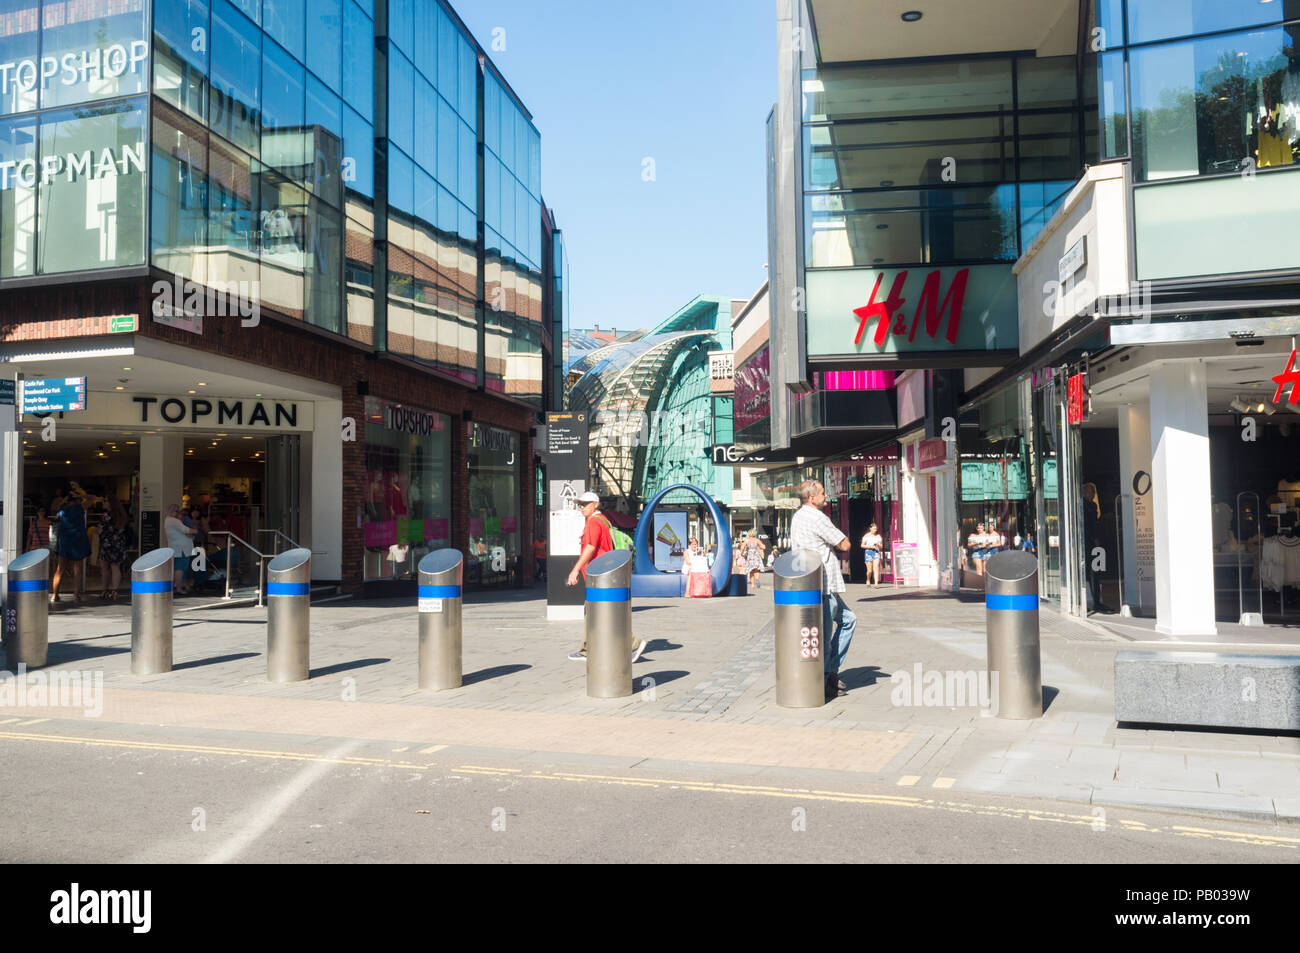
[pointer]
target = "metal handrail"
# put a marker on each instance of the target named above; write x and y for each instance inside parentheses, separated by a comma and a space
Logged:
(261, 561)
(279, 535)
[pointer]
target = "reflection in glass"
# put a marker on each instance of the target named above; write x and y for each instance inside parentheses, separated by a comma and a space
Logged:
(91, 195)
(180, 73)
(178, 194)
(232, 218)
(19, 42)
(235, 111)
(284, 237)
(100, 48)
(17, 197)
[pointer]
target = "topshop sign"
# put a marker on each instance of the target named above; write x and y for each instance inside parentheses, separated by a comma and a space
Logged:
(77, 67)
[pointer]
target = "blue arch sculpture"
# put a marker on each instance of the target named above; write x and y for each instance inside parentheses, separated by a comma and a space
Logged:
(652, 582)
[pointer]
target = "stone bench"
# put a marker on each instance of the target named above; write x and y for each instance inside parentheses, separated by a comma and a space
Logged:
(1212, 689)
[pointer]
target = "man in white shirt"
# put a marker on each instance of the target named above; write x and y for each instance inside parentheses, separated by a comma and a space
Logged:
(812, 529)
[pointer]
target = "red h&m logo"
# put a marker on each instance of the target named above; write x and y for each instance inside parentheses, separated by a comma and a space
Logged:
(890, 311)
(1288, 376)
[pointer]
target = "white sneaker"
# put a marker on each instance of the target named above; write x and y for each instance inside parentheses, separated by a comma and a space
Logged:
(636, 652)
(578, 656)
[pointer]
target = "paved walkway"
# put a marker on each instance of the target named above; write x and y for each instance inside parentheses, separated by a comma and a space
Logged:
(704, 693)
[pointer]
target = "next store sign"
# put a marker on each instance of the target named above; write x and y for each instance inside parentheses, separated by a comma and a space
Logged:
(915, 316)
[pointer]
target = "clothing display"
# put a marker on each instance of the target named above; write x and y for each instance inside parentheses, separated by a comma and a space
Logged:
(1279, 562)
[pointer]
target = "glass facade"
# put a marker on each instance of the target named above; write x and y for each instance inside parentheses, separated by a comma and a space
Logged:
(248, 141)
(937, 162)
(1213, 86)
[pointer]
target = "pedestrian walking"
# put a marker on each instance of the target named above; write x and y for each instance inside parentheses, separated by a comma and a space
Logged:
(180, 539)
(539, 559)
(597, 540)
(73, 547)
(753, 548)
(872, 544)
(695, 567)
(112, 550)
(812, 529)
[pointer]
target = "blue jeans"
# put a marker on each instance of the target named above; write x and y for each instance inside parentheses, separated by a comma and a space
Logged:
(836, 647)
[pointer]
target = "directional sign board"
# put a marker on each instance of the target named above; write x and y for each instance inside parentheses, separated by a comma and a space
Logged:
(53, 394)
(6, 391)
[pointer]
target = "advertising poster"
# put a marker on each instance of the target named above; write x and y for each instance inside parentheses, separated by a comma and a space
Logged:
(565, 529)
(670, 541)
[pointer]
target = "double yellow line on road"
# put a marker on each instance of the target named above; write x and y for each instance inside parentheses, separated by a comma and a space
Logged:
(711, 787)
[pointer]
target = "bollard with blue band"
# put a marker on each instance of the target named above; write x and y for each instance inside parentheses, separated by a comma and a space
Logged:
(1014, 653)
(288, 607)
(797, 587)
(151, 613)
(27, 612)
(609, 625)
(439, 602)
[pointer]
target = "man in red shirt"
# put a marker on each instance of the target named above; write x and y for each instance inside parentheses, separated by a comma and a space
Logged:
(597, 540)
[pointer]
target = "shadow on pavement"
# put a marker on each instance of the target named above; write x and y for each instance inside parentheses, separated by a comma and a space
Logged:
(661, 645)
(344, 666)
(862, 677)
(640, 684)
(215, 661)
(60, 652)
(1049, 696)
(498, 671)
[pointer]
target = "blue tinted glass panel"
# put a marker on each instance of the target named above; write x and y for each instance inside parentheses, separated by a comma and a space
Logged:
(368, 6)
(18, 202)
(172, 22)
(426, 124)
(425, 53)
(535, 163)
(97, 50)
(358, 61)
(468, 224)
(468, 167)
(285, 22)
(358, 153)
(491, 112)
(250, 8)
(401, 182)
(20, 42)
(325, 121)
(236, 101)
(282, 97)
(508, 190)
(1162, 19)
(491, 190)
(522, 201)
(324, 108)
(1038, 203)
(426, 197)
(401, 101)
(448, 212)
(448, 56)
(401, 24)
(468, 82)
(179, 71)
(492, 239)
(447, 145)
(508, 114)
(325, 41)
(520, 165)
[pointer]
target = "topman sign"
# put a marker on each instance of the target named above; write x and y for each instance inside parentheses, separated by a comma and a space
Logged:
(87, 164)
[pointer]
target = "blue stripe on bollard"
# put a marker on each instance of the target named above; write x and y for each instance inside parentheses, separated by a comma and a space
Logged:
(287, 588)
(609, 595)
(1015, 603)
(28, 585)
(796, 597)
(150, 586)
(440, 592)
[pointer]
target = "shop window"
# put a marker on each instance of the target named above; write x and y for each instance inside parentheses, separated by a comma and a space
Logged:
(18, 197)
(1216, 105)
(178, 184)
(90, 208)
(408, 487)
(101, 49)
(1165, 19)
(235, 106)
(20, 43)
(180, 73)
(494, 531)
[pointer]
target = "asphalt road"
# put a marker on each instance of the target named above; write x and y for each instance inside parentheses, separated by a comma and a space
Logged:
(141, 795)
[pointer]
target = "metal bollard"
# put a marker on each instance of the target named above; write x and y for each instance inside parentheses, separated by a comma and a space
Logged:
(27, 616)
(609, 625)
(439, 604)
(288, 587)
(151, 613)
(1014, 659)
(797, 610)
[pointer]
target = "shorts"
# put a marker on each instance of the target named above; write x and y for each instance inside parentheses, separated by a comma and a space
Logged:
(180, 563)
(871, 555)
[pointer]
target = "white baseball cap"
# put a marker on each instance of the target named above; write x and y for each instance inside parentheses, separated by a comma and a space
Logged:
(589, 497)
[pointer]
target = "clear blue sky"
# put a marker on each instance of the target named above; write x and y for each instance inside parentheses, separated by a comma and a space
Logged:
(610, 82)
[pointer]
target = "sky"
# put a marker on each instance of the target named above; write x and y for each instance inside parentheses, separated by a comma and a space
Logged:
(611, 83)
